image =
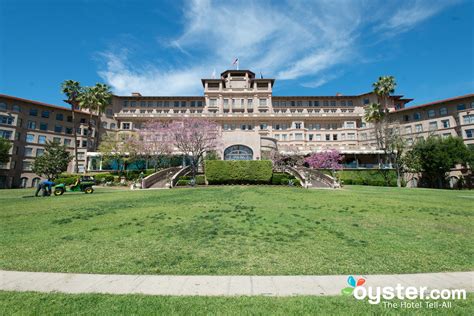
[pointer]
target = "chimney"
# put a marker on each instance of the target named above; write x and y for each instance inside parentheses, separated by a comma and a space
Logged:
(338, 94)
(136, 94)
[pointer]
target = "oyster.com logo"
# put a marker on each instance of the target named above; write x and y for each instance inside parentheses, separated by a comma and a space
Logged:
(353, 283)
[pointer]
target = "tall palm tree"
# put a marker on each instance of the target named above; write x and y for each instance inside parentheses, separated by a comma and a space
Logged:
(72, 89)
(384, 87)
(94, 99)
(375, 114)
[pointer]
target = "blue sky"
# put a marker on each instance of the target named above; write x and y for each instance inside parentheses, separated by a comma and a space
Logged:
(165, 47)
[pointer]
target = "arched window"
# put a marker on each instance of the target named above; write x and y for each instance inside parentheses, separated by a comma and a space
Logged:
(238, 152)
(23, 182)
(35, 182)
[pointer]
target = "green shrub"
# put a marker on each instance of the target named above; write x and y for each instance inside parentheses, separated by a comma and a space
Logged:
(66, 180)
(200, 179)
(183, 183)
(238, 171)
(279, 177)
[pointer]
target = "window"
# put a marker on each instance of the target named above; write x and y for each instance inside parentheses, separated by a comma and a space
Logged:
(5, 134)
(461, 107)
(58, 129)
(445, 123)
(298, 136)
(262, 102)
(45, 114)
(409, 141)
(310, 137)
(26, 167)
(82, 121)
(212, 102)
(69, 118)
(433, 126)
(59, 117)
(283, 137)
(366, 101)
(41, 139)
(263, 126)
(328, 137)
(125, 103)
(84, 143)
(30, 138)
(112, 125)
(298, 125)
(350, 124)
(3, 106)
(108, 112)
(363, 136)
(33, 112)
(80, 156)
(5, 119)
(238, 152)
(69, 130)
(418, 128)
(176, 104)
(417, 116)
(133, 104)
(333, 103)
(43, 126)
(407, 129)
(57, 140)
(334, 136)
(39, 152)
(125, 125)
(468, 119)
(446, 135)
(318, 137)
(31, 124)
(443, 111)
(67, 142)
(351, 136)
(431, 113)
(469, 133)
(226, 103)
(199, 103)
(406, 118)
(28, 151)
(104, 124)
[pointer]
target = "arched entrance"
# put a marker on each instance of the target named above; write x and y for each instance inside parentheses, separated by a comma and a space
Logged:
(238, 152)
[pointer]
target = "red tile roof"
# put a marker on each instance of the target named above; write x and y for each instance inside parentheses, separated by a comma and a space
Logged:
(436, 102)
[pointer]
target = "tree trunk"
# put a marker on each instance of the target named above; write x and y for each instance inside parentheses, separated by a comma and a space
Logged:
(399, 180)
(89, 134)
(74, 128)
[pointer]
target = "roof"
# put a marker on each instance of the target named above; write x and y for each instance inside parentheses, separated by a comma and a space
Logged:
(436, 102)
(33, 102)
(251, 73)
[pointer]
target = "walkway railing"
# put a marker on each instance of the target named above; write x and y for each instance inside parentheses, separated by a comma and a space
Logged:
(148, 181)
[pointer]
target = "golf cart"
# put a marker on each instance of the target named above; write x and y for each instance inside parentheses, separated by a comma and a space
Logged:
(82, 184)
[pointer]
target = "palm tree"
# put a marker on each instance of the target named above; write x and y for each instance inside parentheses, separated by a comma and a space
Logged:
(72, 89)
(375, 114)
(94, 99)
(383, 88)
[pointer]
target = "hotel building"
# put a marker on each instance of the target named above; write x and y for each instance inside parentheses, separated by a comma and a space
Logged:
(253, 120)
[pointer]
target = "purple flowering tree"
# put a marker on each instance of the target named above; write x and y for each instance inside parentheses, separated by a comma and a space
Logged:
(191, 136)
(331, 160)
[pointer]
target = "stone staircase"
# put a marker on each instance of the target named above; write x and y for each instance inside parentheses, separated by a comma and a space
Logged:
(312, 178)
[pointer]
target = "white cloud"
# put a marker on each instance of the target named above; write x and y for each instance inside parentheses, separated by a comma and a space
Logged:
(299, 39)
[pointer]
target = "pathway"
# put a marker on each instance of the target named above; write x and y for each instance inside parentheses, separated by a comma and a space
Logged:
(219, 285)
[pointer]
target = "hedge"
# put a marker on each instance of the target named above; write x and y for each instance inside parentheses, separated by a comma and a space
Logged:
(238, 171)
(367, 177)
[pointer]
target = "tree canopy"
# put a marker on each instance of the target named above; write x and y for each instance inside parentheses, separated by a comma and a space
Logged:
(5, 147)
(53, 162)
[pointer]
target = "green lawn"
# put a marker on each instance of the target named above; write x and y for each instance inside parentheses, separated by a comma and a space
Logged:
(239, 230)
(97, 304)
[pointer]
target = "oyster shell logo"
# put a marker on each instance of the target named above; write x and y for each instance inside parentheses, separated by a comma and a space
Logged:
(353, 283)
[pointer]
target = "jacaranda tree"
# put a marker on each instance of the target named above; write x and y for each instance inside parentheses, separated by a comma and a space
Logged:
(330, 160)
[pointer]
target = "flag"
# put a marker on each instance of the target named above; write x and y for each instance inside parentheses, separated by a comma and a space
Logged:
(236, 61)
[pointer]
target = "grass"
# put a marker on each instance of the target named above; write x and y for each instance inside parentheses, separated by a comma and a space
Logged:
(30, 303)
(255, 230)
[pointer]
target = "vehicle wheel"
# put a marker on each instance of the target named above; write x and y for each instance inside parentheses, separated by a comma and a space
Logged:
(58, 192)
(89, 190)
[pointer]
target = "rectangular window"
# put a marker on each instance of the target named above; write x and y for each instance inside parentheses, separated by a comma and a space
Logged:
(407, 129)
(125, 125)
(133, 104)
(183, 104)
(366, 101)
(43, 126)
(263, 126)
(431, 113)
(57, 140)
(58, 129)
(176, 104)
(28, 152)
(363, 136)
(409, 141)
(67, 142)
(283, 137)
(461, 107)
(125, 103)
(468, 119)
(69, 130)
(334, 136)
(69, 119)
(84, 143)
(443, 111)
(333, 103)
(351, 136)
(417, 116)
(249, 103)
(212, 102)
(445, 123)
(469, 133)
(262, 102)
(350, 124)
(4, 119)
(433, 126)
(419, 128)
(33, 112)
(310, 137)
(226, 103)
(27, 166)
(318, 137)
(45, 114)
(30, 138)
(446, 135)
(41, 139)
(59, 116)
(298, 125)
(328, 137)
(31, 125)
(39, 152)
